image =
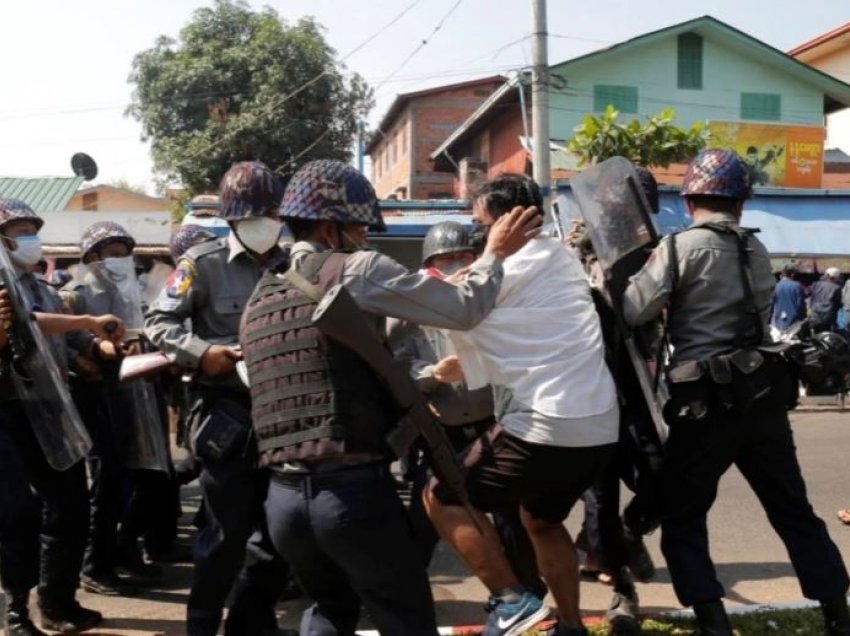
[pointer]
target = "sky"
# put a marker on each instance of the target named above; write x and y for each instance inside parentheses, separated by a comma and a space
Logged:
(65, 64)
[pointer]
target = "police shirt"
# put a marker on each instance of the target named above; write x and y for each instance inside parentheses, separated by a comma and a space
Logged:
(421, 348)
(210, 287)
(707, 301)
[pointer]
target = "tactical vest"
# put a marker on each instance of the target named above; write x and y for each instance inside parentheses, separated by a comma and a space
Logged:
(312, 399)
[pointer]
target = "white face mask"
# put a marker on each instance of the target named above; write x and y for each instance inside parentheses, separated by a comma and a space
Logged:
(28, 250)
(259, 234)
(452, 268)
(119, 267)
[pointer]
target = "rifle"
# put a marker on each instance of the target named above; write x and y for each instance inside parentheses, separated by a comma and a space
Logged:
(339, 317)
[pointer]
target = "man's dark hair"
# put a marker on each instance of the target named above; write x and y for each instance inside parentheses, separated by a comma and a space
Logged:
(508, 190)
(715, 204)
(789, 271)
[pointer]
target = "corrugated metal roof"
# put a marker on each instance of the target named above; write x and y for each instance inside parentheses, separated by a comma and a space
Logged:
(47, 194)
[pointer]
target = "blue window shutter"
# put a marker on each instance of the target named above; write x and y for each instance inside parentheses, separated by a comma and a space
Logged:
(690, 61)
(623, 98)
(761, 106)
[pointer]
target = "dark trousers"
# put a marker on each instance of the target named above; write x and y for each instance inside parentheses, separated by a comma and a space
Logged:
(110, 481)
(760, 443)
(234, 491)
(351, 542)
(513, 535)
(63, 512)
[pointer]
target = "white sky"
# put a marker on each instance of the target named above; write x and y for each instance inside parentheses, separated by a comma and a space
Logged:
(65, 63)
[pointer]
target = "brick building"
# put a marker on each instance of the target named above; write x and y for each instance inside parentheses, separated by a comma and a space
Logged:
(413, 127)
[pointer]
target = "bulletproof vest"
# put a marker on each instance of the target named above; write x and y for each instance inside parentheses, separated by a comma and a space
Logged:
(312, 399)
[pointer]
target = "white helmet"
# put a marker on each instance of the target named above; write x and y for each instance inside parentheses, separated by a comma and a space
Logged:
(833, 272)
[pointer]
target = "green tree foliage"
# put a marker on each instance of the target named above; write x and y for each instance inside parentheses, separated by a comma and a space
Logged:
(657, 142)
(242, 85)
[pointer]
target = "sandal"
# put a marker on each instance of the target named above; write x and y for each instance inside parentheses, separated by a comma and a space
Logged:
(844, 516)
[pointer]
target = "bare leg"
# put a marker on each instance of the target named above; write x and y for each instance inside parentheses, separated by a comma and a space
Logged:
(482, 553)
(558, 563)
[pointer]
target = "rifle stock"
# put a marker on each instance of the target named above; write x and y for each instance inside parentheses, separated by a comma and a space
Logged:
(339, 317)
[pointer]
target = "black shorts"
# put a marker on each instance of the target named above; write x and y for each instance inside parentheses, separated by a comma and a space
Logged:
(504, 471)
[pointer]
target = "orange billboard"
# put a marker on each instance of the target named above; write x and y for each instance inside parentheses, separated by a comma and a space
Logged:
(785, 156)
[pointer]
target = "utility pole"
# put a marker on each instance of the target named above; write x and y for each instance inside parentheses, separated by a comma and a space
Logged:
(540, 103)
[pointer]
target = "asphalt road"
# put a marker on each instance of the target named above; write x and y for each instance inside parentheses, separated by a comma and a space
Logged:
(751, 561)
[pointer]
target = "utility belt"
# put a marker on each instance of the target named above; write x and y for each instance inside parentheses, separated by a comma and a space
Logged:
(729, 384)
(309, 483)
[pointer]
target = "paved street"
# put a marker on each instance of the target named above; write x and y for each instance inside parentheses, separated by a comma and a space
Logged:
(751, 560)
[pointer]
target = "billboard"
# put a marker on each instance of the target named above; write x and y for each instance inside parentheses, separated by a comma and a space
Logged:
(779, 155)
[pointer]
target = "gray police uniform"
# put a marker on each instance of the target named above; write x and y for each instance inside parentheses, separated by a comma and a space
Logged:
(346, 535)
(62, 496)
(706, 304)
(209, 289)
(466, 415)
(109, 412)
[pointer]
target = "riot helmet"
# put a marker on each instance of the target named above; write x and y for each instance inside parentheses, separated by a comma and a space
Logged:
(249, 189)
(448, 237)
(328, 190)
(718, 173)
(99, 235)
(188, 236)
(16, 210)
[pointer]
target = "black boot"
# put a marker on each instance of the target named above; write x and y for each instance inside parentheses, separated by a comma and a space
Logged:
(712, 619)
(69, 618)
(622, 614)
(836, 617)
(17, 618)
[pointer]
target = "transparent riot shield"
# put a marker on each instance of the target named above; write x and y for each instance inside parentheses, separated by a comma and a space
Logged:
(135, 406)
(614, 207)
(38, 381)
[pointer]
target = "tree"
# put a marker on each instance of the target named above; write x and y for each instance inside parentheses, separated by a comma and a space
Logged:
(656, 143)
(243, 85)
(124, 184)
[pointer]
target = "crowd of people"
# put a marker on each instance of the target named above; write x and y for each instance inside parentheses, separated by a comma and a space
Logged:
(509, 397)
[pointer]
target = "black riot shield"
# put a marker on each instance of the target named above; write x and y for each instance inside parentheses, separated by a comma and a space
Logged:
(617, 215)
(38, 381)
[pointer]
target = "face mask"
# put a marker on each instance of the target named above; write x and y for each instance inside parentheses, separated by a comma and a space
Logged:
(119, 267)
(28, 250)
(258, 234)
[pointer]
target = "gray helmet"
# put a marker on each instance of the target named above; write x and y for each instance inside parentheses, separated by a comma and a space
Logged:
(98, 235)
(448, 237)
(16, 210)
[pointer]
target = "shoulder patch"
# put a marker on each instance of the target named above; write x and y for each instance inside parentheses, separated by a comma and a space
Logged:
(180, 281)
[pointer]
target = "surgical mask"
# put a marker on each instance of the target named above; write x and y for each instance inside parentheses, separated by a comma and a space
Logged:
(28, 250)
(259, 234)
(119, 267)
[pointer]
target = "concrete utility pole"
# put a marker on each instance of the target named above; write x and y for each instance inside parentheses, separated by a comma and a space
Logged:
(540, 103)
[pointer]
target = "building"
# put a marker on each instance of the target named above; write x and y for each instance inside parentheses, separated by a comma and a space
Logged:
(830, 53)
(112, 199)
(756, 99)
(415, 124)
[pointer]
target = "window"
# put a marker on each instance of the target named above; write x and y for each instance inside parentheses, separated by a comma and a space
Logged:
(690, 61)
(761, 106)
(623, 98)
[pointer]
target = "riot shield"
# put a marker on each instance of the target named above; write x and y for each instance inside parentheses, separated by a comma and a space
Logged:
(617, 215)
(134, 404)
(38, 381)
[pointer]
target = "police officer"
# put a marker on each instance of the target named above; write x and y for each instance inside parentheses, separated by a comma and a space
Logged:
(210, 287)
(333, 509)
(465, 414)
(60, 513)
(715, 280)
(112, 414)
